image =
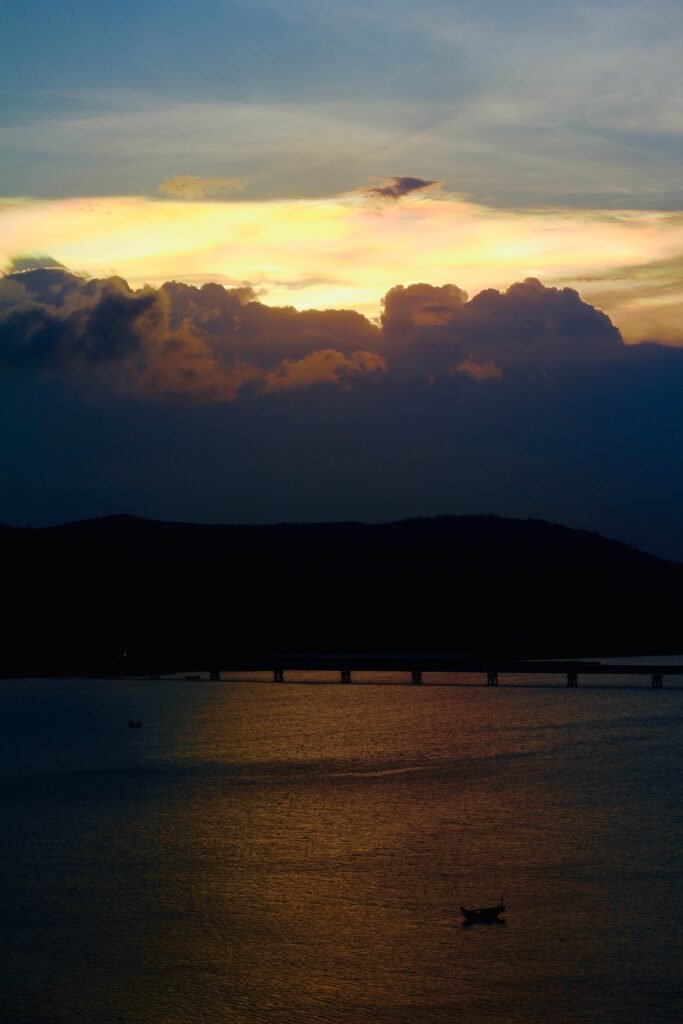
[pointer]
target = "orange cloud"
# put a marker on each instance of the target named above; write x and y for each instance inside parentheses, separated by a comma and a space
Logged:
(325, 366)
(478, 371)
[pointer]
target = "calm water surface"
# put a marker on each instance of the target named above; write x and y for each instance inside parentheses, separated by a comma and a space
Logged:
(297, 854)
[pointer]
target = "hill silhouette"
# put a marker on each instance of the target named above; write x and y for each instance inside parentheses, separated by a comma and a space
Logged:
(85, 592)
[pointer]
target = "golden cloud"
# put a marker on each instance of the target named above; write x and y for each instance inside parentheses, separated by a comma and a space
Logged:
(478, 371)
(325, 366)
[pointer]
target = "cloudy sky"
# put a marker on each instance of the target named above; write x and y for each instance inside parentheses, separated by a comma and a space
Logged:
(325, 260)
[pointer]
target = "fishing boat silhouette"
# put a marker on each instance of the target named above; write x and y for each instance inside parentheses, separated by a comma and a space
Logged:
(484, 915)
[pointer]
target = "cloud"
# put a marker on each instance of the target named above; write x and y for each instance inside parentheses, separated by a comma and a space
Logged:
(419, 305)
(479, 371)
(198, 344)
(529, 326)
(51, 320)
(324, 366)
(396, 187)
(206, 344)
(238, 326)
(212, 343)
(193, 187)
(34, 262)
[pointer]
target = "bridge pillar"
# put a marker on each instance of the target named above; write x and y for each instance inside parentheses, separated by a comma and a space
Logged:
(492, 679)
(278, 675)
(572, 679)
(417, 677)
(215, 675)
(657, 681)
(345, 675)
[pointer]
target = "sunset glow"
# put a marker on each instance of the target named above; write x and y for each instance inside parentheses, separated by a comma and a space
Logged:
(347, 251)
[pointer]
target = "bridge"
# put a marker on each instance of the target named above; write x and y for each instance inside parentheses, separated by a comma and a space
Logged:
(415, 666)
(195, 664)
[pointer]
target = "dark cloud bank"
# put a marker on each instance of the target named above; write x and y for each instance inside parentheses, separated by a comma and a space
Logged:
(206, 404)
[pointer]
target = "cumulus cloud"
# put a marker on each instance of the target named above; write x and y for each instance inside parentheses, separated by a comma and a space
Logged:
(192, 186)
(50, 319)
(398, 186)
(529, 325)
(418, 305)
(202, 344)
(209, 343)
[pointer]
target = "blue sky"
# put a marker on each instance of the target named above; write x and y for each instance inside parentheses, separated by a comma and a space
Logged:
(523, 103)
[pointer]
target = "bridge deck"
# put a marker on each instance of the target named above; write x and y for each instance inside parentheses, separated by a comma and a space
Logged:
(439, 663)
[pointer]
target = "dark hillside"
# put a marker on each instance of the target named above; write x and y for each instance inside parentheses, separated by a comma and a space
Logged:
(469, 585)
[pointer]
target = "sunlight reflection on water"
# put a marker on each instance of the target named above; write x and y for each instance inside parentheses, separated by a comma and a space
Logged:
(299, 853)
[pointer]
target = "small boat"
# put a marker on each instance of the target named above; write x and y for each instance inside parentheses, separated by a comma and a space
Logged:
(134, 725)
(483, 915)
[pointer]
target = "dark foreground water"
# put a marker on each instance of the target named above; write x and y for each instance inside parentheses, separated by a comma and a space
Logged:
(298, 854)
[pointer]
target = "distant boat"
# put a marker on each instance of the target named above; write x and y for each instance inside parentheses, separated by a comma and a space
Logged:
(134, 725)
(194, 677)
(483, 915)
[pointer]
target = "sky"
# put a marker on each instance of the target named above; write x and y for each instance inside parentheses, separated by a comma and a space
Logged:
(268, 261)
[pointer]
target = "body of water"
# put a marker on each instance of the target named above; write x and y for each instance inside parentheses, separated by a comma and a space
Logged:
(298, 853)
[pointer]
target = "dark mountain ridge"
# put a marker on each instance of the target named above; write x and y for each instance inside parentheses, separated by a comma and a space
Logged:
(474, 585)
